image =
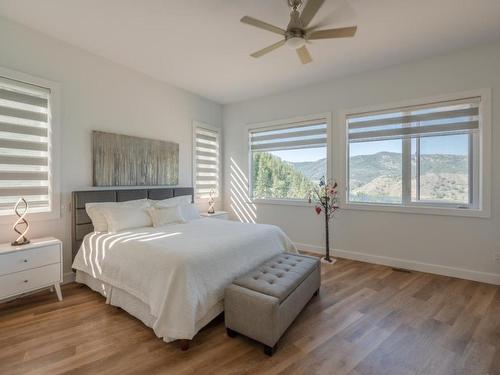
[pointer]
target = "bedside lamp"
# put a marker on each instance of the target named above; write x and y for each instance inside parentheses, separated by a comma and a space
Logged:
(21, 240)
(211, 202)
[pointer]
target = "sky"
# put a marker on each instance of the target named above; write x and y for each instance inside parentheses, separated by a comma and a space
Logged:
(308, 154)
(450, 144)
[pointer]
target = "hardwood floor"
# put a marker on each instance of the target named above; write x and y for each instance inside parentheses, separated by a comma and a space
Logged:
(368, 319)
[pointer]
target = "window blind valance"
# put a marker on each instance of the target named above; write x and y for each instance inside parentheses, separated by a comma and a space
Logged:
(306, 135)
(24, 144)
(452, 117)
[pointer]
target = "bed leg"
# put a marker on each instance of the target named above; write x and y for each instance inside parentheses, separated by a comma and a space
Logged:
(269, 350)
(184, 344)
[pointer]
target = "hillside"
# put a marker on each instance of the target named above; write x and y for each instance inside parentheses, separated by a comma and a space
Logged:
(373, 178)
(313, 170)
(377, 177)
(274, 178)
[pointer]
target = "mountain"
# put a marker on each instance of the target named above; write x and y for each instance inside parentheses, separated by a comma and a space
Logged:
(365, 168)
(313, 170)
(377, 177)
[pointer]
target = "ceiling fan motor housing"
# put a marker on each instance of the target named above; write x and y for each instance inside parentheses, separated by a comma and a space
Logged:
(294, 4)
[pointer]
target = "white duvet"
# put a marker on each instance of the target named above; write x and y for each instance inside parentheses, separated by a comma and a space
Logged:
(180, 271)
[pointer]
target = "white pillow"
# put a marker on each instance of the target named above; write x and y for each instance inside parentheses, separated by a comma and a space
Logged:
(169, 202)
(189, 211)
(165, 215)
(120, 218)
(94, 210)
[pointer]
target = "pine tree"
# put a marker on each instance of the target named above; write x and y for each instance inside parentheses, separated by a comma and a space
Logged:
(275, 178)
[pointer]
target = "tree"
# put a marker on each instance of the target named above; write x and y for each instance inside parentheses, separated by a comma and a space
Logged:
(276, 178)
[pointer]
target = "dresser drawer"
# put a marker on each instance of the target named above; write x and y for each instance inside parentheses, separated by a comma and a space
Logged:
(26, 259)
(24, 281)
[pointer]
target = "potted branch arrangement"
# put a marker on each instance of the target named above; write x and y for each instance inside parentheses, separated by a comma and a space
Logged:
(326, 199)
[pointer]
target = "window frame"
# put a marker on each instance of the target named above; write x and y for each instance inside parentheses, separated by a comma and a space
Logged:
(282, 124)
(54, 145)
(481, 162)
(203, 125)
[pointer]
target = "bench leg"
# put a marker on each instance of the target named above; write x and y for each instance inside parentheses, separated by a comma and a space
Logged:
(184, 344)
(230, 332)
(269, 350)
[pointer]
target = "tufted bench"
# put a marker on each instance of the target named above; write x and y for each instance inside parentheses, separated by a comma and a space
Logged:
(263, 303)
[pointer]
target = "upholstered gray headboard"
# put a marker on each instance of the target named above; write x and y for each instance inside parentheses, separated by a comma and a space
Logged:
(81, 223)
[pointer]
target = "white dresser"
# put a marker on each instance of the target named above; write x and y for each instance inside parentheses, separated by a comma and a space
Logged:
(29, 267)
(216, 215)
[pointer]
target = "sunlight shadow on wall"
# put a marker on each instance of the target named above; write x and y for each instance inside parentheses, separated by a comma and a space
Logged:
(241, 203)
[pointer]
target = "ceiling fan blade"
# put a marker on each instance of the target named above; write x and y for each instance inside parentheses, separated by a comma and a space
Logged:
(268, 49)
(262, 25)
(343, 32)
(310, 11)
(304, 55)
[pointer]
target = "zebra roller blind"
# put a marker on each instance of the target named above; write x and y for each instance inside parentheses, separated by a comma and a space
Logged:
(453, 117)
(308, 134)
(206, 161)
(24, 146)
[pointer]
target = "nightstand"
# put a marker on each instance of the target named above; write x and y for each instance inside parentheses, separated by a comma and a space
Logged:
(223, 215)
(30, 267)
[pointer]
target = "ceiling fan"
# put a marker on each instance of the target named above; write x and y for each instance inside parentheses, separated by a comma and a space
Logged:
(297, 34)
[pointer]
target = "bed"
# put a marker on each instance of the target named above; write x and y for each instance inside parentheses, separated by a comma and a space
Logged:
(172, 278)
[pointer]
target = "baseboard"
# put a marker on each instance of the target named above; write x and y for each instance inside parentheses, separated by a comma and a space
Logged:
(68, 277)
(485, 277)
(309, 248)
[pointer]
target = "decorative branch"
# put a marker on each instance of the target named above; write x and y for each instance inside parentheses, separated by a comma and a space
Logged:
(326, 200)
(325, 197)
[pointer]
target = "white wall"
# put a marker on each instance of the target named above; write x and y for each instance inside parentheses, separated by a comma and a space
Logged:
(458, 246)
(99, 95)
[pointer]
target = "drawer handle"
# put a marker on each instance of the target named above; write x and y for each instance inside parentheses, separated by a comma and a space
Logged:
(25, 260)
(25, 281)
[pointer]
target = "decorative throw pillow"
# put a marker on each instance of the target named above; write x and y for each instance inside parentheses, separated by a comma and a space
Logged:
(95, 211)
(166, 215)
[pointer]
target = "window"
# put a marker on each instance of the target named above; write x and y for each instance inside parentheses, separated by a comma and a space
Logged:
(288, 159)
(206, 156)
(27, 166)
(417, 156)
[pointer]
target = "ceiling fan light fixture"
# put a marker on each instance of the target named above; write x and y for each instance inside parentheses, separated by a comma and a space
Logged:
(295, 42)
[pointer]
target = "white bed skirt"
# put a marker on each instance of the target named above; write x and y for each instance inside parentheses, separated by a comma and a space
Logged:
(135, 307)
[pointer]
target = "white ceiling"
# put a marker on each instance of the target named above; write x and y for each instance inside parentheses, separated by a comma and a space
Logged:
(201, 46)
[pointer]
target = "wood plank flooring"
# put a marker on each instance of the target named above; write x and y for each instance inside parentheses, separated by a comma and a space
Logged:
(368, 319)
